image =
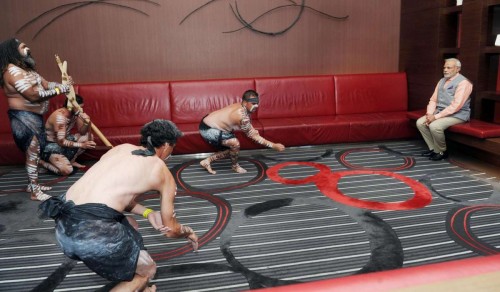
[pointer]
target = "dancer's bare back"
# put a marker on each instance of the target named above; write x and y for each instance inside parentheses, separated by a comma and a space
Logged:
(226, 119)
(119, 176)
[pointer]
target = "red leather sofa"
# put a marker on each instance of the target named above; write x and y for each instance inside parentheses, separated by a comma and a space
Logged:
(295, 111)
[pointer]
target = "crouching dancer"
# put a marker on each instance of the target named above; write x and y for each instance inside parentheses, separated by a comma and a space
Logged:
(217, 129)
(63, 147)
(90, 215)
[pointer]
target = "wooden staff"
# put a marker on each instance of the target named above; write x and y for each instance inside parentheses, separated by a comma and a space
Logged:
(63, 66)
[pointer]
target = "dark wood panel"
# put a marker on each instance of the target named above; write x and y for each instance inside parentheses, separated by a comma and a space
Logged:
(421, 94)
(411, 6)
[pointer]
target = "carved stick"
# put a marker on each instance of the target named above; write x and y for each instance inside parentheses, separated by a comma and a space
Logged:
(71, 97)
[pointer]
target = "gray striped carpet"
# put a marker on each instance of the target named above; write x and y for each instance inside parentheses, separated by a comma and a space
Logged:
(259, 231)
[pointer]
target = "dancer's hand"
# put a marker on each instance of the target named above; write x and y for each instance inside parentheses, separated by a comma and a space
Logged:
(155, 219)
(191, 236)
(278, 147)
(88, 145)
(193, 239)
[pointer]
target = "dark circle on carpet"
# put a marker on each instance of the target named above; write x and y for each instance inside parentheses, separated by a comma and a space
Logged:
(386, 249)
(458, 227)
(178, 169)
(342, 157)
(223, 215)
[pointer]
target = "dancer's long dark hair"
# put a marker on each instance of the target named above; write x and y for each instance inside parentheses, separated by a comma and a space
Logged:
(9, 54)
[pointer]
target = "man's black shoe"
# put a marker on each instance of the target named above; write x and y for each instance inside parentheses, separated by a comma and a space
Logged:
(439, 156)
(428, 153)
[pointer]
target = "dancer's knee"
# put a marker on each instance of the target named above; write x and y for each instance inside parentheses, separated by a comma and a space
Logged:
(233, 144)
(146, 266)
(66, 170)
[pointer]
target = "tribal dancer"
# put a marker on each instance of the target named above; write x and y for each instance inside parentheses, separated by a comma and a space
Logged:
(28, 97)
(63, 147)
(217, 129)
(90, 224)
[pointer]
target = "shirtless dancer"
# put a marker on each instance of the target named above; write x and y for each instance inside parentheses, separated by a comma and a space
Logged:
(90, 215)
(217, 129)
(28, 97)
(63, 147)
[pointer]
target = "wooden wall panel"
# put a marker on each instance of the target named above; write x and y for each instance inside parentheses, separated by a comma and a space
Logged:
(105, 43)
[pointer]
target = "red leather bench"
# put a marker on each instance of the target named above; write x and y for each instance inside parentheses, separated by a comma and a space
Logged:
(474, 135)
(474, 128)
(295, 111)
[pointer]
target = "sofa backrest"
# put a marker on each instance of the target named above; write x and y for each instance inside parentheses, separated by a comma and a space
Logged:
(371, 93)
(192, 100)
(126, 104)
(288, 97)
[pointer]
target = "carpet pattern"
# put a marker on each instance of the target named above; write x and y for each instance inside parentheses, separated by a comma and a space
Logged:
(306, 214)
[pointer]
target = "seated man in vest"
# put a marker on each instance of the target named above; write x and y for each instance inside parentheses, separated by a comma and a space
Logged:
(449, 105)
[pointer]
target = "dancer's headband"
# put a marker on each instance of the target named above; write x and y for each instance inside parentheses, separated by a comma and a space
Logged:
(253, 99)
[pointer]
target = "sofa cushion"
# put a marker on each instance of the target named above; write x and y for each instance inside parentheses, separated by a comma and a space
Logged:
(371, 93)
(415, 115)
(192, 100)
(290, 97)
(126, 104)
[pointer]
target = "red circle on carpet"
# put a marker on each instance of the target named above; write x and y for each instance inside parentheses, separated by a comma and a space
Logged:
(327, 183)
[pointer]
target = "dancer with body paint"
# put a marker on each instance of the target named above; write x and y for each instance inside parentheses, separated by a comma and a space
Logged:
(63, 147)
(90, 224)
(28, 96)
(217, 129)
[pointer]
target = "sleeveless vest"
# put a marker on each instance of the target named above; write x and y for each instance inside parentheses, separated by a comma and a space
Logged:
(446, 96)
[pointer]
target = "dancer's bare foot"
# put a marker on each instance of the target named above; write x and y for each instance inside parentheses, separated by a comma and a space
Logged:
(42, 188)
(37, 194)
(150, 289)
(237, 168)
(78, 165)
(205, 164)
